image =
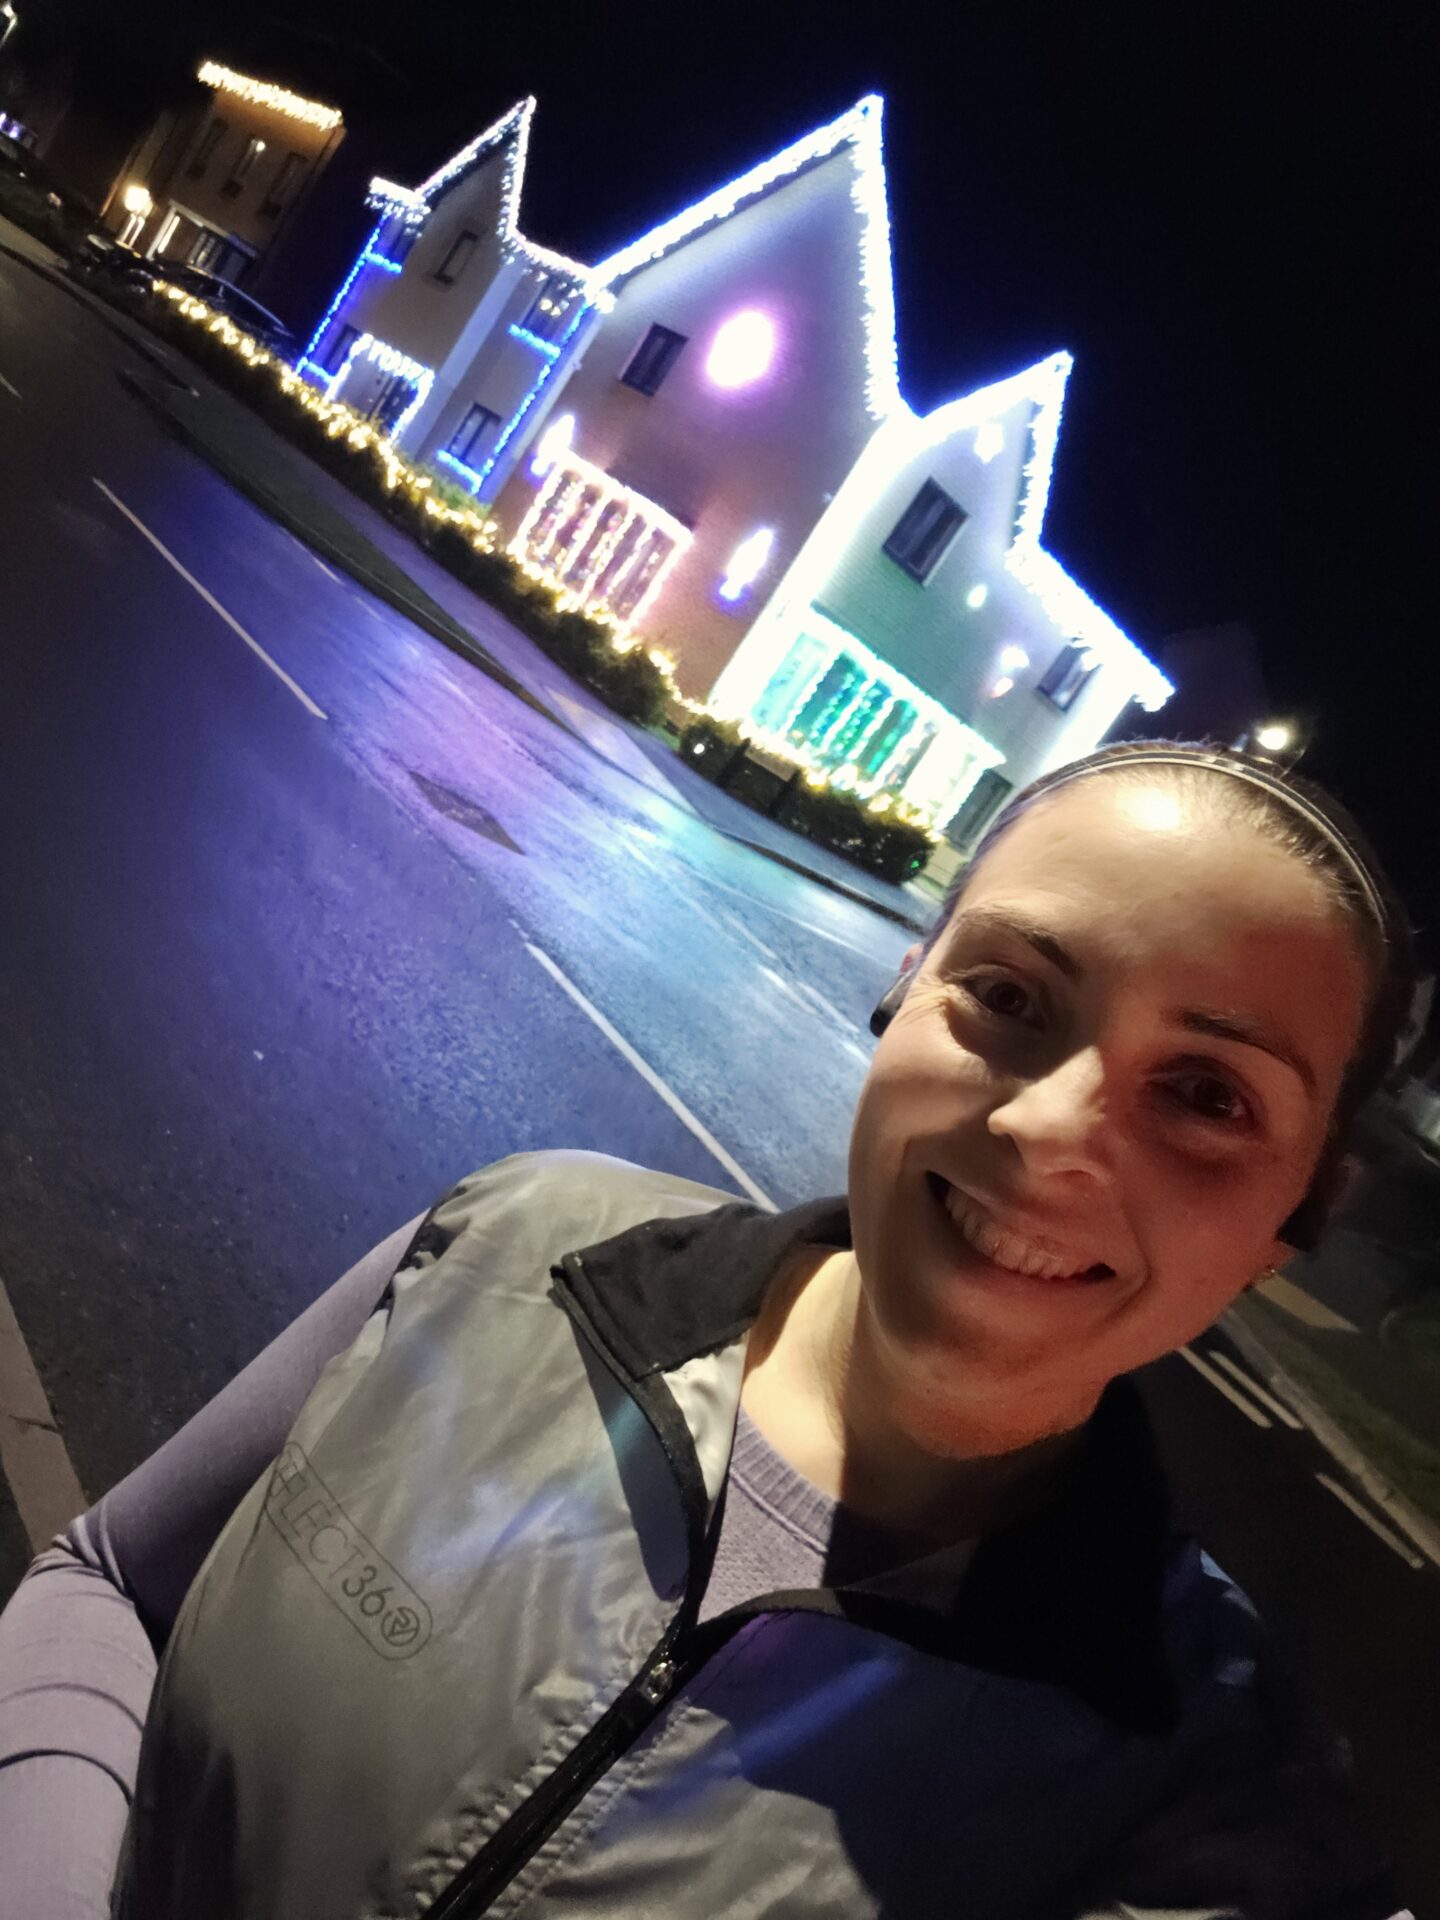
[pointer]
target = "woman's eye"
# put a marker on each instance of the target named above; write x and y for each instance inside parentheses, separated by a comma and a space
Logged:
(1208, 1096)
(1004, 997)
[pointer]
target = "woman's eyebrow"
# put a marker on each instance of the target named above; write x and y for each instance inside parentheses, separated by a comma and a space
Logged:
(1249, 1033)
(1040, 938)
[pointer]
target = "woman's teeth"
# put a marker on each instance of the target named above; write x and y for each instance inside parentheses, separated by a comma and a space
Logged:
(1012, 1250)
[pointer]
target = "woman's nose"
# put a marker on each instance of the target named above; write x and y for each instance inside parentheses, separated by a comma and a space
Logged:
(1059, 1120)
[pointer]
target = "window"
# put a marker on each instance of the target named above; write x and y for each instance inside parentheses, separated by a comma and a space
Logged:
(340, 345)
(250, 153)
(924, 531)
(978, 808)
(286, 183)
(213, 134)
(394, 396)
(653, 359)
(466, 443)
(453, 265)
(395, 239)
(1066, 675)
(545, 316)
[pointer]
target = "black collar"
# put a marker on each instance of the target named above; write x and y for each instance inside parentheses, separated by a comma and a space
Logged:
(1071, 1595)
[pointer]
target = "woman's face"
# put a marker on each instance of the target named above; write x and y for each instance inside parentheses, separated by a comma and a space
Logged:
(1107, 1086)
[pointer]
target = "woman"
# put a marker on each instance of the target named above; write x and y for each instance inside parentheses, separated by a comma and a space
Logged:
(641, 1553)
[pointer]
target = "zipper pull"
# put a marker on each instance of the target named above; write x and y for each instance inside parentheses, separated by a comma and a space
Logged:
(657, 1683)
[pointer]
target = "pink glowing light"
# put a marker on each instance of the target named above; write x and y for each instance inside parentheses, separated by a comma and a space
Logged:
(743, 347)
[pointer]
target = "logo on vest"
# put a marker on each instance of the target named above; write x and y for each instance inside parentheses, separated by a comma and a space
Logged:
(378, 1603)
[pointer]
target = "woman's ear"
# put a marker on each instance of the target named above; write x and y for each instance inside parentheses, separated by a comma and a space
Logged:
(889, 1002)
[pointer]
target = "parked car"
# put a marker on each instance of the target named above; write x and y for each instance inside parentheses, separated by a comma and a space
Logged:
(101, 262)
(34, 197)
(244, 311)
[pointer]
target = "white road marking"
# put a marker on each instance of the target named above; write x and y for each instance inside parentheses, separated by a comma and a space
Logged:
(707, 880)
(9, 389)
(33, 1457)
(652, 1079)
(1368, 1519)
(328, 572)
(1254, 1388)
(214, 605)
(1222, 1385)
(827, 1007)
(752, 939)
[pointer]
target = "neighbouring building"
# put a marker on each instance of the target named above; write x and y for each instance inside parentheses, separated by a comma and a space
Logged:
(703, 437)
(222, 183)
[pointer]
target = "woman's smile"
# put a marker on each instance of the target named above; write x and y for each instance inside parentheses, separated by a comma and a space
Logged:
(1015, 1252)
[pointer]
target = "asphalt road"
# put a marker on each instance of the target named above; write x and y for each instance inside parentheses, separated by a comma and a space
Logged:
(302, 922)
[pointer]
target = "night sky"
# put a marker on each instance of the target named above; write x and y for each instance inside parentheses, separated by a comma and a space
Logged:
(1227, 213)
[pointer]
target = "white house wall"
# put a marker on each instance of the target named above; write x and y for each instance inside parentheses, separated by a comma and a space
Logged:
(725, 462)
(928, 629)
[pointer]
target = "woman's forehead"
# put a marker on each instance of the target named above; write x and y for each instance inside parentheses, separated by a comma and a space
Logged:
(1137, 881)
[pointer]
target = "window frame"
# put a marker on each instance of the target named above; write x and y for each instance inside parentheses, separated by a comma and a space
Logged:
(1064, 680)
(462, 441)
(335, 355)
(245, 162)
(446, 273)
(661, 344)
(211, 134)
(920, 554)
(546, 325)
(281, 193)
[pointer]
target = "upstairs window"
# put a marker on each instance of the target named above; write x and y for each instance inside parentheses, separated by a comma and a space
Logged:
(286, 183)
(545, 315)
(924, 531)
(653, 359)
(249, 154)
(396, 237)
(469, 439)
(455, 261)
(210, 139)
(1066, 675)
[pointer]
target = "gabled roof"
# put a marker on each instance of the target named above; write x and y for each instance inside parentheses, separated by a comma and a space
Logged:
(901, 433)
(1063, 599)
(859, 129)
(509, 134)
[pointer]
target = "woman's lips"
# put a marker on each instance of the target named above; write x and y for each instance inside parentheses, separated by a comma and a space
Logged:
(1013, 1251)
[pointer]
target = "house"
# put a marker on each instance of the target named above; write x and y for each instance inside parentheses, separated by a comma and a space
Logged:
(222, 183)
(702, 437)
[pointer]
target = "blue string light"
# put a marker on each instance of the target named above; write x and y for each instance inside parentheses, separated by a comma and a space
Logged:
(533, 395)
(547, 347)
(307, 359)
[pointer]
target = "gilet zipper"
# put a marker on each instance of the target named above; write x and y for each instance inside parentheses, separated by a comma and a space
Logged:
(519, 1838)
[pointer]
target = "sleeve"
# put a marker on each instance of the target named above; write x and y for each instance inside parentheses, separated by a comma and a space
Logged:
(79, 1638)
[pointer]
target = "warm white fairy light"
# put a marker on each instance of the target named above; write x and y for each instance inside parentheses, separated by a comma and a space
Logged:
(261, 93)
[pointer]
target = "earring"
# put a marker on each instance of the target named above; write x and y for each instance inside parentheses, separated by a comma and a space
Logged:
(1265, 1273)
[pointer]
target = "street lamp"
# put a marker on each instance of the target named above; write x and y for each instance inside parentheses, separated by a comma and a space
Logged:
(137, 204)
(9, 20)
(1274, 738)
(1280, 740)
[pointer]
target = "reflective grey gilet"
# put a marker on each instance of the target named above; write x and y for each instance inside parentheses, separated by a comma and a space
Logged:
(475, 1541)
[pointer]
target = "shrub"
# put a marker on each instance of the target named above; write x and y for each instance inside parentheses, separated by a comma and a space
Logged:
(632, 684)
(712, 746)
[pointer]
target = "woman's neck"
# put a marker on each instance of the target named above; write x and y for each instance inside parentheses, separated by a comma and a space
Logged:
(818, 1387)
